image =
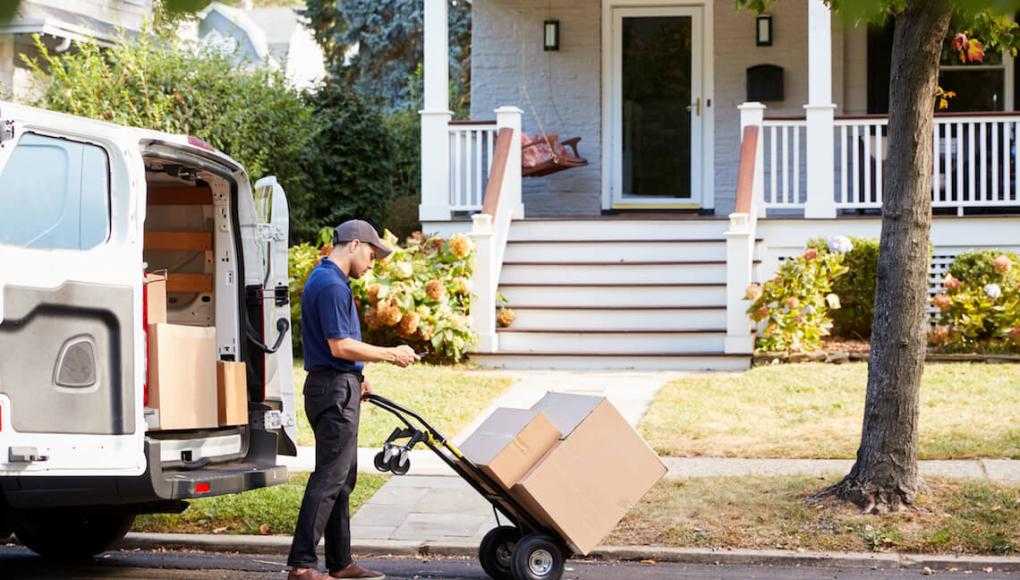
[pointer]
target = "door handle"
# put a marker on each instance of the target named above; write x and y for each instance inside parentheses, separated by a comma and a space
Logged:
(696, 106)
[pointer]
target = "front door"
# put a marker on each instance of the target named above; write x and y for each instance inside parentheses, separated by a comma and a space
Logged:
(656, 107)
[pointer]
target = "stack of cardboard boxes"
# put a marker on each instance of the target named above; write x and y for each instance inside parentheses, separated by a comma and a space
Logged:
(188, 387)
(571, 460)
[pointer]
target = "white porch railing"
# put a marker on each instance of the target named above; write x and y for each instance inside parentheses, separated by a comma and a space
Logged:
(976, 160)
(472, 144)
(490, 229)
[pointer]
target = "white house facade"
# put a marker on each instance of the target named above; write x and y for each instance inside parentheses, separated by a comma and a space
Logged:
(718, 142)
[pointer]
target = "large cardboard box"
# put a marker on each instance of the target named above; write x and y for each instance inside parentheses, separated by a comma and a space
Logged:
(232, 393)
(155, 298)
(509, 442)
(182, 376)
(589, 480)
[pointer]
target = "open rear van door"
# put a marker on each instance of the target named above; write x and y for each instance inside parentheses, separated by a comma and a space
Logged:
(71, 347)
(272, 235)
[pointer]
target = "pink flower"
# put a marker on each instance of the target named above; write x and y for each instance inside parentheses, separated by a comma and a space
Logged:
(950, 283)
(939, 335)
(942, 302)
(959, 41)
(792, 302)
(1014, 333)
(754, 292)
(810, 254)
(1002, 264)
(762, 313)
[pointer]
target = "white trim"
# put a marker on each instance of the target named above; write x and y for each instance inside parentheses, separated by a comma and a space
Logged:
(707, 200)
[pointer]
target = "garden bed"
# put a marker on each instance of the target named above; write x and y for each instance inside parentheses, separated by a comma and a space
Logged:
(839, 351)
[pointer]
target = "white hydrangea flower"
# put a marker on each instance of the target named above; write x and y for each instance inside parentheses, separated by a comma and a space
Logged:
(833, 301)
(993, 291)
(840, 244)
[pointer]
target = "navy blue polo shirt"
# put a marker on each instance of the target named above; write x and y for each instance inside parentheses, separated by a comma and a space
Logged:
(328, 311)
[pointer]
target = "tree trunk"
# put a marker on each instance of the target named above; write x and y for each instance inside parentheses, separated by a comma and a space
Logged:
(884, 476)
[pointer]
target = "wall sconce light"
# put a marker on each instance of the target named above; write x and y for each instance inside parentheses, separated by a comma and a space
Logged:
(552, 35)
(763, 30)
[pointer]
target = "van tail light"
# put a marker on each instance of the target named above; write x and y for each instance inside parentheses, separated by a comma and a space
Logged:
(202, 487)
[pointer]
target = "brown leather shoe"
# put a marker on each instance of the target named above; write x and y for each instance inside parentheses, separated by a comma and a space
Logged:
(306, 574)
(355, 571)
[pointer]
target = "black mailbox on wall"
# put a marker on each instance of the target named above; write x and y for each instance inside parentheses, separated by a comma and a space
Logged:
(765, 83)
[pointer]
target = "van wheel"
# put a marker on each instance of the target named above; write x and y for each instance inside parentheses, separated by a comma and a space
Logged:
(73, 536)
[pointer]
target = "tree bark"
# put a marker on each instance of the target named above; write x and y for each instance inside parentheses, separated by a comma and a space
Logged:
(884, 477)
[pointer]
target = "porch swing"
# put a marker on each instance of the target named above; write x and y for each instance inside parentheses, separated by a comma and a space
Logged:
(544, 154)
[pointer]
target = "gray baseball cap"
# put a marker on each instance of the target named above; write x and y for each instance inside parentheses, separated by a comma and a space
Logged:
(362, 231)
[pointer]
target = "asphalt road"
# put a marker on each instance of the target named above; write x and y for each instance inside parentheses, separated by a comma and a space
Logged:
(20, 563)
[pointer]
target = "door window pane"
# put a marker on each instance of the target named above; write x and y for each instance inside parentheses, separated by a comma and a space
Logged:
(656, 87)
(55, 194)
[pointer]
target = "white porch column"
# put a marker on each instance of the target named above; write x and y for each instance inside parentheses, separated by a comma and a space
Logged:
(510, 117)
(820, 112)
(436, 115)
(754, 114)
(484, 282)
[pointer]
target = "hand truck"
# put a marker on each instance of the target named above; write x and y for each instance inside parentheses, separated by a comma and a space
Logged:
(525, 550)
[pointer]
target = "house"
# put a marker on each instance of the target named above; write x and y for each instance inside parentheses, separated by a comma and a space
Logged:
(58, 23)
(274, 36)
(719, 141)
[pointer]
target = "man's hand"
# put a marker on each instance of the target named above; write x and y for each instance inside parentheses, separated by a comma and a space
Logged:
(403, 356)
(366, 390)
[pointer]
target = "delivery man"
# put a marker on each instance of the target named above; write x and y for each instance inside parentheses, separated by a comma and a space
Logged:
(334, 358)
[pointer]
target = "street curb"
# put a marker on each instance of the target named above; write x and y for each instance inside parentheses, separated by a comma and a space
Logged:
(281, 545)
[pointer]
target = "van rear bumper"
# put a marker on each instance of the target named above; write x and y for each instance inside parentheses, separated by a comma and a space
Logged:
(152, 488)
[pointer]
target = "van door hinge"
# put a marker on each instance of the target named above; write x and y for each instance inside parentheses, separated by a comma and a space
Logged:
(6, 131)
(269, 233)
(277, 420)
(281, 295)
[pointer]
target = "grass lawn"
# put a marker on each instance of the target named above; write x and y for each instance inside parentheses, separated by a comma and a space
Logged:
(816, 411)
(771, 513)
(447, 397)
(272, 510)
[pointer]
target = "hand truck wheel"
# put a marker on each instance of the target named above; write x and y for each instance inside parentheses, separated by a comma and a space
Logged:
(400, 463)
(497, 550)
(537, 557)
(380, 462)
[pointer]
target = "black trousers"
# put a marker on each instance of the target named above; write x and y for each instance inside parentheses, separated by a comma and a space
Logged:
(333, 406)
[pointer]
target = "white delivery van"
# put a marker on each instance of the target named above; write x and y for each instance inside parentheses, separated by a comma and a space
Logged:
(88, 212)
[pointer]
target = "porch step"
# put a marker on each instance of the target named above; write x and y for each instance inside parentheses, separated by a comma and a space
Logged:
(620, 318)
(646, 361)
(617, 229)
(611, 295)
(602, 250)
(633, 272)
(615, 294)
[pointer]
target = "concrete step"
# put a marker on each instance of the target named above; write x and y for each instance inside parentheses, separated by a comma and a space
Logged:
(614, 361)
(614, 294)
(636, 272)
(617, 229)
(614, 250)
(618, 318)
(708, 340)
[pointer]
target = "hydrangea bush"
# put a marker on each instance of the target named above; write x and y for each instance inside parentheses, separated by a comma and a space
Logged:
(419, 295)
(979, 307)
(794, 305)
(856, 289)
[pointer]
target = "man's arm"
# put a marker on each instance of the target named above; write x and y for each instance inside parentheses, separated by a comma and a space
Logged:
(355, 350)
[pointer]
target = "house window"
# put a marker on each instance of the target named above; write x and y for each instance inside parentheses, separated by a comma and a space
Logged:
(55, 194)
(987, 86)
